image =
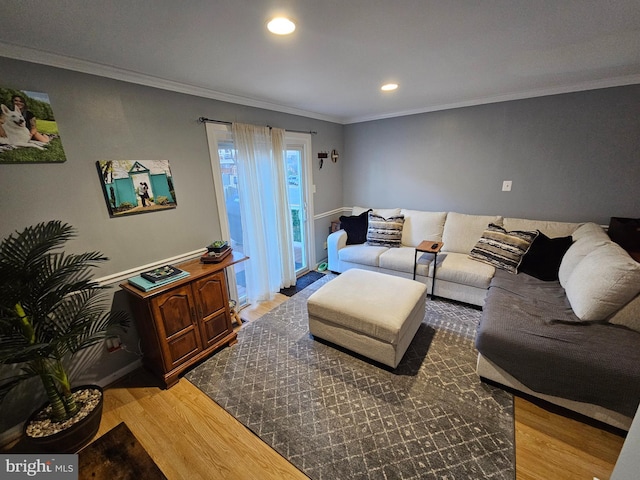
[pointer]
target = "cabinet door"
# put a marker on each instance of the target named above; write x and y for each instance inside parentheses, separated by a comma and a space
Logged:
(212, 301)
(174, 312)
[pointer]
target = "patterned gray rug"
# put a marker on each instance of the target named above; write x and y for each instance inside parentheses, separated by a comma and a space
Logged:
(335, 415)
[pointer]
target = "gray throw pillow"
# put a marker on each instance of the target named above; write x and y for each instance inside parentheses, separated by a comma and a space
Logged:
(385, 232)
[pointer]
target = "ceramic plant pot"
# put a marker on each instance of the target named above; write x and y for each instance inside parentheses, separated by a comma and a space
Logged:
(73, 437)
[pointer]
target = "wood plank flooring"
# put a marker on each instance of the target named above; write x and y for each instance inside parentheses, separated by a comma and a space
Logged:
(190, 437)
(550, 446)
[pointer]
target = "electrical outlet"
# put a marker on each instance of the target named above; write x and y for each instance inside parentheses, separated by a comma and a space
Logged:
(506, 186)
(113, 344)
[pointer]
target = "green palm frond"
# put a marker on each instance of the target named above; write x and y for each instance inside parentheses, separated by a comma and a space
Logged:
(29, 246)
(49, 305)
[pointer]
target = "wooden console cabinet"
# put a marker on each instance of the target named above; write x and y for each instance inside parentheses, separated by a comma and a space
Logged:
(183, 322)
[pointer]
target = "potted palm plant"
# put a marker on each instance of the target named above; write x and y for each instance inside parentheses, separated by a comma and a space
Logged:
(50, 309)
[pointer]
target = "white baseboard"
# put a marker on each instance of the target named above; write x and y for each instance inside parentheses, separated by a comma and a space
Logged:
(117, 375)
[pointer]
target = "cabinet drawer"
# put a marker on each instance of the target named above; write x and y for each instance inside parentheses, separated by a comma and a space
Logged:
(182, 348)
(214, 328)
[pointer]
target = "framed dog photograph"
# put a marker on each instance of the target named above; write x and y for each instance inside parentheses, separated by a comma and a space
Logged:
(28, 128)
(136, 186)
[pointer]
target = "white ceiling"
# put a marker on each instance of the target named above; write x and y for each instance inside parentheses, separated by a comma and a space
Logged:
(443, 54)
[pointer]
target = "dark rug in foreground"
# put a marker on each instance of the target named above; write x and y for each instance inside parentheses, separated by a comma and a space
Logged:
(117, 455)
(338, 416)
(302, 283)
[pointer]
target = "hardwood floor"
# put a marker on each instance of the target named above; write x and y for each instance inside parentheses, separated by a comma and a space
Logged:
(190, 437)
(253, 312)
(550, 446)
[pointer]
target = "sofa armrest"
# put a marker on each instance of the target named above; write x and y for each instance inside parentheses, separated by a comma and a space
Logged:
(335, 242)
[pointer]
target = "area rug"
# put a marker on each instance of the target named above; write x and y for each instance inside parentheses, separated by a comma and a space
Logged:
(336, 415)
(302, 283)
(117, 455)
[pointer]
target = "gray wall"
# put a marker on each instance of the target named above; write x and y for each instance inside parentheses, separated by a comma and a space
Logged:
(103, 119)
(571, 157)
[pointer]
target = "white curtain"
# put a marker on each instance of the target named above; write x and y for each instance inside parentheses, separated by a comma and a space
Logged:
(265, 212)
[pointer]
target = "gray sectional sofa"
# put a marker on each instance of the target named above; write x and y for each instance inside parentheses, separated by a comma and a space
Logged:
(573, 340)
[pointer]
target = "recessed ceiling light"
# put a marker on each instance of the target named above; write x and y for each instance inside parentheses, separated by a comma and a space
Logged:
(281, 26)
(388, 87)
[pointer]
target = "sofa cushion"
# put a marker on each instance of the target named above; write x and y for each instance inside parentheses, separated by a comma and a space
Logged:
(528, 329)
(603, 282)
(459, 268)
(589, 229)
(550, 229)
(402, 260)
(383, 212)
(461, 232)
(542, 261)
(419, 226)
(362, 254)
(356, 227)
(629, 315)
(577, 251)
(385, 232)
(503, 249)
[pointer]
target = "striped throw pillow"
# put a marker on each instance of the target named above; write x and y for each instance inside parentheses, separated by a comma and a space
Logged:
(385, 232)
(503, 249)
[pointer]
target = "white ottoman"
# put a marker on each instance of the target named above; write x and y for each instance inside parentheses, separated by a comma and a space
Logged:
(370, 313)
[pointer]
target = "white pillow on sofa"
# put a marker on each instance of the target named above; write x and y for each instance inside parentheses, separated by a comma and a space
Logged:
(462, 232)
(419, 226)
(589, 229)
(577, 251)
(602, 283)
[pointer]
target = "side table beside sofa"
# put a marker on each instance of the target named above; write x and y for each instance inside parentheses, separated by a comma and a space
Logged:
(428, 246)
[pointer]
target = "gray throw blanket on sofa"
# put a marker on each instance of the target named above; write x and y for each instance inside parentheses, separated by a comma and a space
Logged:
(529, 330)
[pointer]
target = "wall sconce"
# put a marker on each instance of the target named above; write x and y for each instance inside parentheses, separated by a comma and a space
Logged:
(321, 157)
(334, 155)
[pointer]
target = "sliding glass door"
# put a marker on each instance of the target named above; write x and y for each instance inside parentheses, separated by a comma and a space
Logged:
(299, 194)
(228, 195)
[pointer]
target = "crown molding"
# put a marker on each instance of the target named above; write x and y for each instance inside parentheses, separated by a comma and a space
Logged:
(17, 52)
(576, 87)
(41, 57)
